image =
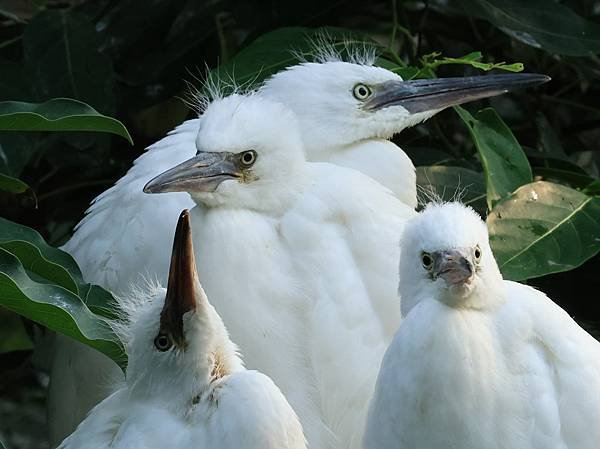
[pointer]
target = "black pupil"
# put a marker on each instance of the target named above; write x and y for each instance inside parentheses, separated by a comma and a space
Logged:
(477, 253)
(426, 260)
(248, 158)
(162, 341)
(362, 91)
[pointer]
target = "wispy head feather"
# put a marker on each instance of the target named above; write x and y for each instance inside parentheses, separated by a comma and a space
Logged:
(428, 193)
(131, 306)
(208, 86)
(323, 47)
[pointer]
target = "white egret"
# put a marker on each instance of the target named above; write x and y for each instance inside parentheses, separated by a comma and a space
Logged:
(186, 387)
(302, 258)
(479, 362)
(338, 122)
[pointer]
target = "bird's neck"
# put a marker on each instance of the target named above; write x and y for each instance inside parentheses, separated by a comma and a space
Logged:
(179, 387)
(273, 198)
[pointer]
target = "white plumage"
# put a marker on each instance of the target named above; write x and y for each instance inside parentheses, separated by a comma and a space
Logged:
(186, 387)
(126, 233)
(479, 362)
(300, 261)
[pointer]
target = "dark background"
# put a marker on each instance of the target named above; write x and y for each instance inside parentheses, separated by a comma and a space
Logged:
(130, 59)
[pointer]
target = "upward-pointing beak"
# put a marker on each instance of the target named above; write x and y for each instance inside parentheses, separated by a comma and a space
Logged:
(182, 287)
(434, 94)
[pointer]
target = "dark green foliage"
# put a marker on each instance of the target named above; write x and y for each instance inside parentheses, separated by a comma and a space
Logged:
(530, 162)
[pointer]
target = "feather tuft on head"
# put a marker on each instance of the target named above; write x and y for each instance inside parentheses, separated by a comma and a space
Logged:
(210, 86)
(323, 47)
(132, 306)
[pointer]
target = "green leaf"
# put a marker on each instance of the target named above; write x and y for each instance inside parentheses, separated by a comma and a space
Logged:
(549, 140)
(540, 23)
(58, 114)
(62, 56)
(505, 165)
(13, 336)
(571, 178)
(46, 261)
(12, 185)
(54, 307)
(49, 264)
(44, 284)
(450, 183)
(544, 228)
(279, 49)
(592, 188)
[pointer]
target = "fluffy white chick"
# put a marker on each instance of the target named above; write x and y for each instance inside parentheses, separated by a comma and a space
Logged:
(479, 362)
(186, 387)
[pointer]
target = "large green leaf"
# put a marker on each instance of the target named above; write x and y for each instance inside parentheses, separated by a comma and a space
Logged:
(13, 336)
(58, 114)
(54, 307)
(46, 261)
(45, 285)
(12, 185)
(544, 228)
(281, 48)
(451, 183)
(62, 56)
(52, 265)
(540, 23)
(505, 165)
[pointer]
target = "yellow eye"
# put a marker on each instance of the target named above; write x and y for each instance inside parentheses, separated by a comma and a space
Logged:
(361, 92)
(427, 261)
(477, 253)
(163, 342)
(248, 158)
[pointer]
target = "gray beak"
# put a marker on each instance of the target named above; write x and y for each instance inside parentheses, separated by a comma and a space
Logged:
(202, 173)
(435, 94)
(453, 267)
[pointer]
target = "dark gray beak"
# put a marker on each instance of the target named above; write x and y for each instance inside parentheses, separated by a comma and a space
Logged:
(202, 173)
(453, 267)
(435, 94)
(181, 286)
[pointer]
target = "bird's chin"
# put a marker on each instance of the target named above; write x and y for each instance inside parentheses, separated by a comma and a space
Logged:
(457, 293)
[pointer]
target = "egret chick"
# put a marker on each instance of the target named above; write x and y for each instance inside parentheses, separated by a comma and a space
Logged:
(479, 362)
(186, 387)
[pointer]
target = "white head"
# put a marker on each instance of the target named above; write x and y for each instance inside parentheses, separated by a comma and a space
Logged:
(176, 342)
(446, 256)
(340, 103)
(249, 154)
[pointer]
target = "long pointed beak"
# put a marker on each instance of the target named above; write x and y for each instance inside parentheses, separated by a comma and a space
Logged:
(453, 267)
(435, 94)
(182, 287)
(202, 173)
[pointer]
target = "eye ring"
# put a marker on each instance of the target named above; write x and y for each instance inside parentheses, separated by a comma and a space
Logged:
(361, 92)
(163, 342)
(477, 254)
(427, 260)
(248, 158)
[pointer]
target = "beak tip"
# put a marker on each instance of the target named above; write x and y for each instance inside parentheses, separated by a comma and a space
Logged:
(544, 79)
(184, 219)
(152, 187)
